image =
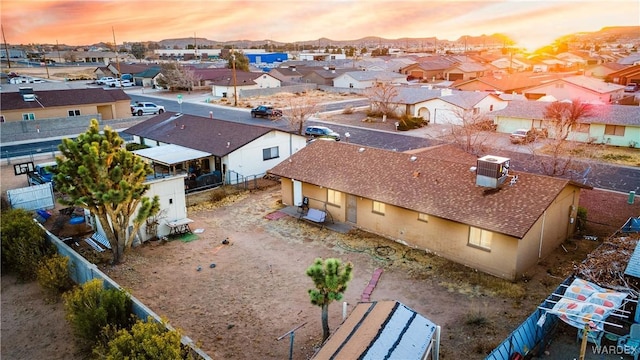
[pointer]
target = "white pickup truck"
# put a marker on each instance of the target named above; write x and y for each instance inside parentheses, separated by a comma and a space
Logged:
(145, 108)
(105, 80)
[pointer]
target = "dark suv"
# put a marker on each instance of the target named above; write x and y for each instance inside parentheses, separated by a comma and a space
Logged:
(265, 111)
(321, 131)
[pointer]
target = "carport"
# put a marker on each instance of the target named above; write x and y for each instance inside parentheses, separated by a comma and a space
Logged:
(168, 160)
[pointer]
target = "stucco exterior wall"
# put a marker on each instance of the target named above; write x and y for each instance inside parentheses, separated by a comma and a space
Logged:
(248, 160)
(551, 230)
(117, 110)
(508, 257)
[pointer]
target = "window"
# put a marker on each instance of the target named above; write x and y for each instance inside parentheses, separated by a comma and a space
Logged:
(28, 116)
(480, 238)
(423, 217)
(74, 112)
(334, 197)
(582, 128)
(616, 130)
(378, 207)
(270, 153)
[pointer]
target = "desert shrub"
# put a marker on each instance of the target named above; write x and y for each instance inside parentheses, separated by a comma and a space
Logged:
(376, 114)
(476, 319)
(53, 275)
(408, 122)
(90, 308)
(581, 218)
(145, 340)
(135, 146)
(24, 244)
(347, 110)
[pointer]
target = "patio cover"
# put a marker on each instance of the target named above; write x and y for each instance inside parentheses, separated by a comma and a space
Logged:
(171, 154)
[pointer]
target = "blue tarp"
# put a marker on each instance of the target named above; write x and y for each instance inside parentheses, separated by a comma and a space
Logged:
(632, 225)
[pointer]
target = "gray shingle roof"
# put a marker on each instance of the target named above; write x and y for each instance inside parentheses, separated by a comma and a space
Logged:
(430, 185)
(217, 137)
(374, 75)
(600, 114)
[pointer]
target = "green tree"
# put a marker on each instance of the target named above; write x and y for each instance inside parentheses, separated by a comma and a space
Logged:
(96, 172)
(240, 59)
(138, 50)
(331, 278)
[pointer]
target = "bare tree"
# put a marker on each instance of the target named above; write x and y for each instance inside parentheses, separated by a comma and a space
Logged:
(562, 117)
(298, 110)
(473, 132)
(70, 56)
(177, 77)
(383, 98)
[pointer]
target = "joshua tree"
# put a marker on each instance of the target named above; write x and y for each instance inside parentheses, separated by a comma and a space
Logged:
(331, 279)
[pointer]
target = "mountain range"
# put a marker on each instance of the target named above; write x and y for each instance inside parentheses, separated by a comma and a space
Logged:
(607, 34)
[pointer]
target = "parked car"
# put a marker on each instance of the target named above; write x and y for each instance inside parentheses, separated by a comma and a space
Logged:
(145, 108)
(121, 83)
(321, 131)
(105, 80)
(631, 87)
(265, 111)
(522, 136)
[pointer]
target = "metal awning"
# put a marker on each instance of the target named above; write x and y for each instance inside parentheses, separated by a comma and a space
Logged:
(171, 154)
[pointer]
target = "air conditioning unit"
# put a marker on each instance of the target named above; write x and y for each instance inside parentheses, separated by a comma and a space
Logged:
(492, 171)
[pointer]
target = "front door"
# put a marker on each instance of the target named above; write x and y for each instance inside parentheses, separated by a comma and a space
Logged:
(297, 193)
(352, 209)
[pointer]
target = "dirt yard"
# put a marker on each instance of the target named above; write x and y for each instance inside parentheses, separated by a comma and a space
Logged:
(235, 300)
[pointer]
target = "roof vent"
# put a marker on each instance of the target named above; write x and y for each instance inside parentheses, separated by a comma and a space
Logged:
(413, 158)
(361, 150)
(492, 171)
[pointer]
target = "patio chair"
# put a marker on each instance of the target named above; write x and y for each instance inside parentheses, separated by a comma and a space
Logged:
(631, 342)
(593, 336)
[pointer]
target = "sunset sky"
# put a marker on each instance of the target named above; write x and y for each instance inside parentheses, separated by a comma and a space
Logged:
(531, 23)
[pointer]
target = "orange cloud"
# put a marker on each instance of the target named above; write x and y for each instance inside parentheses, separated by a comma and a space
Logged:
(91, 21)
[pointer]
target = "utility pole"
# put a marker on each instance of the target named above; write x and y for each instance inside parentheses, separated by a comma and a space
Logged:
(6, 48)
(115, 46)
(235, 90)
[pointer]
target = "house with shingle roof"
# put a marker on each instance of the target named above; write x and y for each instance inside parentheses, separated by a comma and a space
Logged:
(625, 76)
(603, 70)
(223, 83)
(444, 106)
(238, 151)
(583, 88)
(427, 70)
(29, 104)
(322, 76)
(288, 75)
(367, 79)
(617, 125)
(464, 71)
(430, 200)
